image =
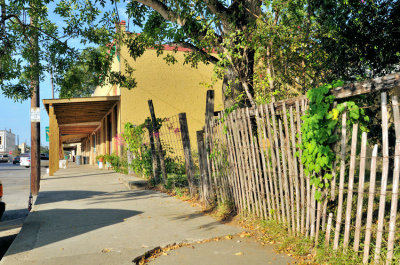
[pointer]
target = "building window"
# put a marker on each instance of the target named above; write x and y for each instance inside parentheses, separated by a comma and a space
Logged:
(1, 140)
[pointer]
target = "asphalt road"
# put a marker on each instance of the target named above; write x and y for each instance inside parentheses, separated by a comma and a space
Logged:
(16, 187)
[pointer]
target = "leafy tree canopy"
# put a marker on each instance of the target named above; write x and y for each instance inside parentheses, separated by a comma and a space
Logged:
(261, 48)
(29, 32)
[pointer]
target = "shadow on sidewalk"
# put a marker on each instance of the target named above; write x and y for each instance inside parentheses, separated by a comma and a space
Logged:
(97, 196)
(77, 175)
(48, 226)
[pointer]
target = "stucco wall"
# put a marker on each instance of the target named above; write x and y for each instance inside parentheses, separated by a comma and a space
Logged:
(173, 88)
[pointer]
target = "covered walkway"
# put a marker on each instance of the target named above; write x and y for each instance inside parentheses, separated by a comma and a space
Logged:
(93, 123)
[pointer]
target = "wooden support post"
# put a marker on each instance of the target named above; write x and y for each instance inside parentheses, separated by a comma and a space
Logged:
(187, 151)
(60, 148)
(53, 154)
(157, 141)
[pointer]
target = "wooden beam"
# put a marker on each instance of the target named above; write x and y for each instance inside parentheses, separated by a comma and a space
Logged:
(381, 83)
(47, 102)
(94, 123)
(66, 138)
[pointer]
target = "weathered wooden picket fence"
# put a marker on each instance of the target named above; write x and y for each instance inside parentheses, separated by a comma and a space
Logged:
(248, 157)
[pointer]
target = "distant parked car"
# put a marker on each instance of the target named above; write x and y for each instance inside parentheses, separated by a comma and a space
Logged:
(44, 160)
(25, 160)
(2, 204)
(16, 160)
(4, 158)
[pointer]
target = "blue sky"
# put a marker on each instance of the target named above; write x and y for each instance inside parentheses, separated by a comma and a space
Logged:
(16, 115)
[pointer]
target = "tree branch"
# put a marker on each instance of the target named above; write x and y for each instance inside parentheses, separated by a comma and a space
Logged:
(210, 58)
(22, 25)
(18, 20)
(163, 10)
(218, 9)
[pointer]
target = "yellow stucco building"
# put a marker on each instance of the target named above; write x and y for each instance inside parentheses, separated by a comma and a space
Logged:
(173, 89)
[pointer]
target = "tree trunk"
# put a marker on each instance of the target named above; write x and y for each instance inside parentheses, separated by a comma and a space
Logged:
(235, 84)
(231, 87)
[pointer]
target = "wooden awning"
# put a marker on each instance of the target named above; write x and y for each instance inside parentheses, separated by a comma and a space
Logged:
(79, 117)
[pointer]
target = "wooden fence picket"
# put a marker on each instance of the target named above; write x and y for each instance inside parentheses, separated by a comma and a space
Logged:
(350, 185)
(252, 158)
(233, 163)
(385, 172)
(341, 183)
(290, 167)
(278, 162)
(295, 169)
(239, 157)
(360, 191)
(395, 183)
(285, 176)
(262, 171)
(302, 187)
(274, 177)
(253, 162)
(370, 208)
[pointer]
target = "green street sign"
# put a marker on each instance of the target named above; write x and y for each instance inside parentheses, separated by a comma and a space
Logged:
(47, 133)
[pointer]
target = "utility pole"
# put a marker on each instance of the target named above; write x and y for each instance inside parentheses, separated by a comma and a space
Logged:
(35, 107)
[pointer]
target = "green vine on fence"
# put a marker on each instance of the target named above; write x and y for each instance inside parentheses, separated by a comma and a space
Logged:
(319, 133)
(133, 136)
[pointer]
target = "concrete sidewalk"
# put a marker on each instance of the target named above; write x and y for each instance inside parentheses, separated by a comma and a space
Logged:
(88, 216)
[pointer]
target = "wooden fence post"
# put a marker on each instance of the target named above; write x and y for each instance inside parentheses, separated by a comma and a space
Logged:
(187, 151)
(156, 133)
(205, 184)
(154, 159)
(208, 116)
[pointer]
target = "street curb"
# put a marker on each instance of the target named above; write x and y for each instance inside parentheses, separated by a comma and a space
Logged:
(133, 182)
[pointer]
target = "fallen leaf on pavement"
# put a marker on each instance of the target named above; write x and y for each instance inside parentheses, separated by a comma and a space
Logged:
(245, 234)
(239, 254)
(106, 250)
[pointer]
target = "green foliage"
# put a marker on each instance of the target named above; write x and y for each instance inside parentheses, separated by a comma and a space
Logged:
(118, 164)
(319, 134)
(363, 37)
(133, 136)
(100, 157)
(141, 153)
(84, 73)
(32, 43)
